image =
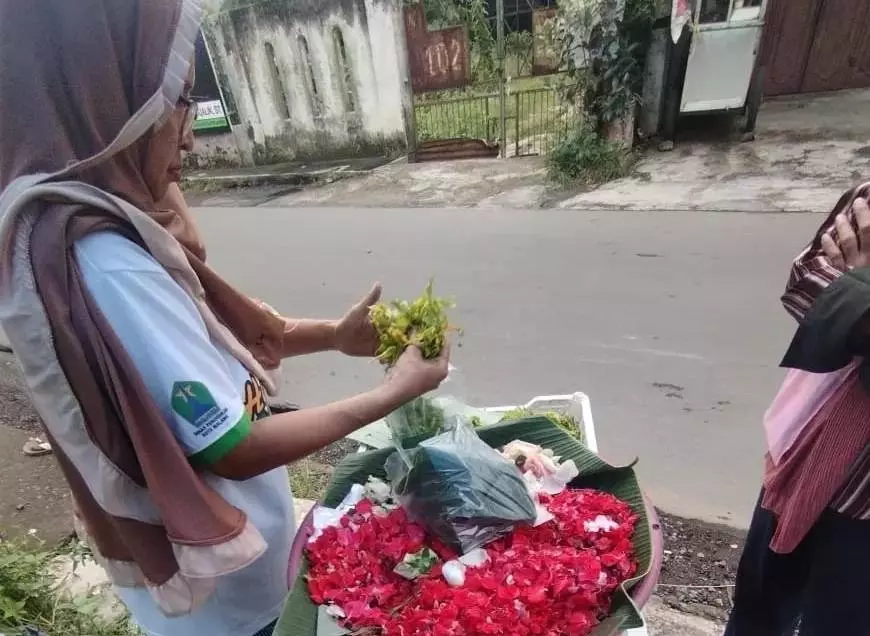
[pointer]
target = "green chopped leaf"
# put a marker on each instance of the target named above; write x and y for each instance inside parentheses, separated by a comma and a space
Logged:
(417, 564)
(564, 421)
(418, 419)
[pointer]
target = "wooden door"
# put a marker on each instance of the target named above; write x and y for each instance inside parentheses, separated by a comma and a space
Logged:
(788, 37)
(840, 55)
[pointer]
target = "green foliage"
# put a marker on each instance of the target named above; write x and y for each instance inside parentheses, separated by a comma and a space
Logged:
(415, 565)
(637, 20)
(564, 421)
(471, 14)
(29, 597)
(586, 156)
(603, 50)
(415, 421)
(422, 323)
(519, 53)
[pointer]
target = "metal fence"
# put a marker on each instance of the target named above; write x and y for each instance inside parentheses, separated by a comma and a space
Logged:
(474, 117)
(535, 120)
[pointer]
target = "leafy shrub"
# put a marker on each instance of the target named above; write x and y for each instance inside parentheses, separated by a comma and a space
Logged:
(29, 597)
(587, 157)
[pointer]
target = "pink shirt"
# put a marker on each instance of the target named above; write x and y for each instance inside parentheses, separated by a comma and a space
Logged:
(800, 397)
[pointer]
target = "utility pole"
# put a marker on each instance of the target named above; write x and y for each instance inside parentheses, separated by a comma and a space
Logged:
(502, 87)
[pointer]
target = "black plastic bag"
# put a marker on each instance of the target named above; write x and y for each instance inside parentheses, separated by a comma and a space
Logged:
(463, 492)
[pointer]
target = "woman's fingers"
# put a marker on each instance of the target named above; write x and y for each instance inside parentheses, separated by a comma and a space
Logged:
(444, 356)
(847, 240)
(853, 246)
(832, 251)
(862, 220)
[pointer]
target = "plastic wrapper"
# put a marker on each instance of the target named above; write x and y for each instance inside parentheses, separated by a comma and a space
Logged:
(434, 413)
(464, 492)
(416, 421)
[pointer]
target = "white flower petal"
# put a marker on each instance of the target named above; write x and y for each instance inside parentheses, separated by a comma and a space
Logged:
(335, 611)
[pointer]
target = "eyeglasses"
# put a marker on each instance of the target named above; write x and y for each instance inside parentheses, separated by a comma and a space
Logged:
(191, 109)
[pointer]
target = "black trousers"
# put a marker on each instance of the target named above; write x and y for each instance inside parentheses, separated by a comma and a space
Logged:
(823, 585)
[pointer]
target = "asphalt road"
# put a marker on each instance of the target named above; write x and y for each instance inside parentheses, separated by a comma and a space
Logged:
(669, 321)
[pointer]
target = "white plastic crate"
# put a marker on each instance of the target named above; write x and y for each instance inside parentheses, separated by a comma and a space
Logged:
(377, 435)
(576, 405)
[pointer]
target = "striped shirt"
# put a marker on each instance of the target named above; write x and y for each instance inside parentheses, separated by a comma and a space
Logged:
(854, 497)
(811, 273)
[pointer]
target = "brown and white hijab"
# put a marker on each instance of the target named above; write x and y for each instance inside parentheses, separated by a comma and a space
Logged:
(82, 85)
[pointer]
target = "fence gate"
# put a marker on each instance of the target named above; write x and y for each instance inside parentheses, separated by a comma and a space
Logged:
(484, 77)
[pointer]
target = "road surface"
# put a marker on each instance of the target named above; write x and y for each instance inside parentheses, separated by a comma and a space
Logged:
(669, 321)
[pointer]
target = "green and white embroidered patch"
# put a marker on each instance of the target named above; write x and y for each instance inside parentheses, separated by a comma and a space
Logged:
(195, 404)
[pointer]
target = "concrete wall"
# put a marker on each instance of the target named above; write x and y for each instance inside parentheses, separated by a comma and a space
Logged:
(292, 95)
(220, 150)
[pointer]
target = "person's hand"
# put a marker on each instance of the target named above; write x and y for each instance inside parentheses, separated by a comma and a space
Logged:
(354, 333)
(851, 250)
(413, 376)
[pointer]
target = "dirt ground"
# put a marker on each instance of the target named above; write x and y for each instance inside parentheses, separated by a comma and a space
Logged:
(34, 499)
(700, 564)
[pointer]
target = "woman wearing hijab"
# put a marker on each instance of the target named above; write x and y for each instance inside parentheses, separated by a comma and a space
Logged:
(806, 560)
(147, 369)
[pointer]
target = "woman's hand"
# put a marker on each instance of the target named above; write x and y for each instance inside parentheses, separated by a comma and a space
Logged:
(354, 333)
(413, 376)
(286, 437)
(851, 250)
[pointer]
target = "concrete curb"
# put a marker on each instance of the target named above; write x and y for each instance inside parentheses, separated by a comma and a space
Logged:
(666, 621)
(260, 179)
(678, 207)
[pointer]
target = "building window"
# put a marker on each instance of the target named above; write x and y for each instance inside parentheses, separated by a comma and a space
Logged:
(308, 69)
(346, 79)
(279, 95)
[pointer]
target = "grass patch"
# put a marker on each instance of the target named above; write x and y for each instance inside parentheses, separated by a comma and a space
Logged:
(587, 158)
(30, 597)
(309, 479)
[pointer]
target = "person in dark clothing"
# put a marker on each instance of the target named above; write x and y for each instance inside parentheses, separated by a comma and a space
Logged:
(806, 563)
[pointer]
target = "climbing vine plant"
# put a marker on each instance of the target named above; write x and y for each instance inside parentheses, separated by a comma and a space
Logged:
(603, 46)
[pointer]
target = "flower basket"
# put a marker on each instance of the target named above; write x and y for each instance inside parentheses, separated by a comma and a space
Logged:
(299, 617)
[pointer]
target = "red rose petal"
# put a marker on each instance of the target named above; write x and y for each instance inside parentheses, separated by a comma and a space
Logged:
(546, 581)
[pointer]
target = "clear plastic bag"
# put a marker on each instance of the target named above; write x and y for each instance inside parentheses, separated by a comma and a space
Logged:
(416, 421)
(464, 492)
(434, 413)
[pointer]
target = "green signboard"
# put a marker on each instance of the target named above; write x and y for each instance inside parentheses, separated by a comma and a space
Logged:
(211, 116)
